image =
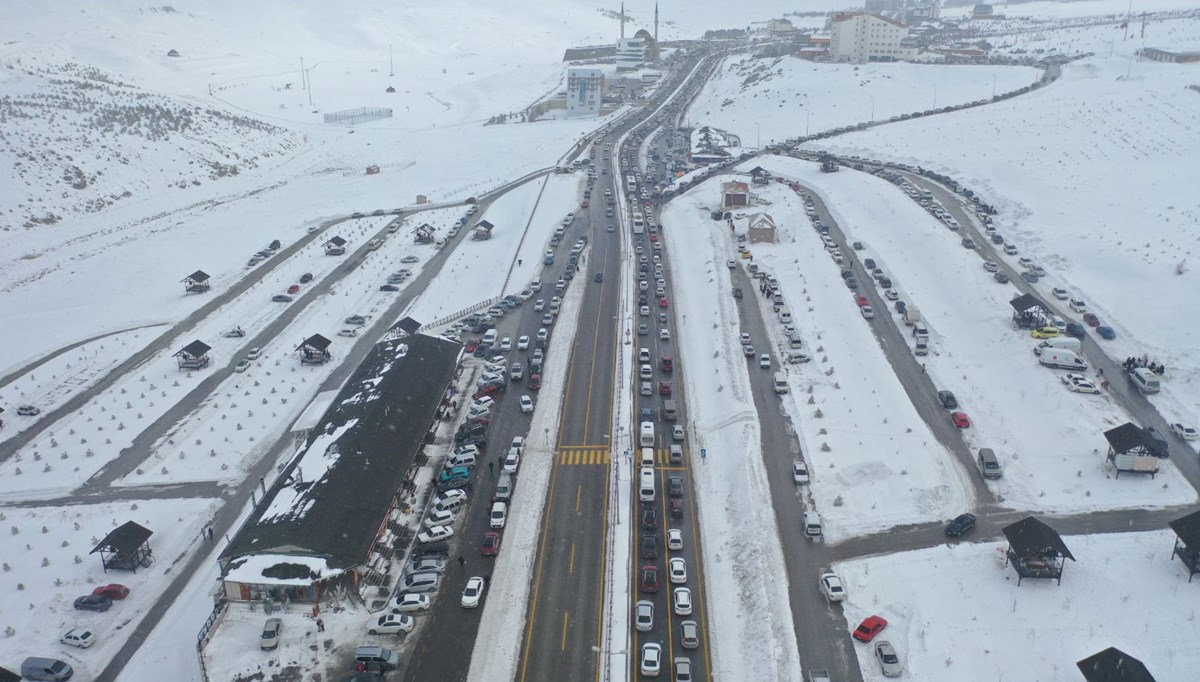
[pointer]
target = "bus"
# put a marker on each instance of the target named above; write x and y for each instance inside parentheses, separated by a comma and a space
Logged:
(638, 222)
(631, 183)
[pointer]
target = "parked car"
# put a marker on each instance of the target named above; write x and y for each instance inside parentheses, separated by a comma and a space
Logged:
(78, 637)
(93, 602)
(281, 298)
(947, 400)
(491, 544)
(869, 628)
(651, 659)
(960, 525)
(960, 420)
(391, 624)
(1184, 432)
(306, 278)
(269, 639)
(831, 586)
(649, 578)
(643, 618)
(689, 634)
(112, 591)
(1075, 330)
(409, 601)
(799, 472)
(889, 662)
(682, 601)
(674, 539)
(1106, 333)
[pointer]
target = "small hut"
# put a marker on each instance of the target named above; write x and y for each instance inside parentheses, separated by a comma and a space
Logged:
(314, 350)
(734, 194)
(336, 246)
(1035, 550)
(761, 229)
(1187, 542)
(196, 283)
(193, 356)
(125, 548)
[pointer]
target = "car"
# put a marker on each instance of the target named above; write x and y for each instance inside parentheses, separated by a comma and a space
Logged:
(539, 304)
(831, 586)
(281, 298)
(643, 618)
(409, 601)
(1076, 330)
(1001, 277)
(682, 601)
(991, 266)
(437, 533)
(391, 624)
(959, 525)
(663, 302)
(491, 544)
(526, 404)
(1106, 333)
(869, 628)
(683, 669)
(1078, 305)
(799, 472)
(78, 637)
(1184, 432)
(675, 539)
(891, 295)
(410, 259)
(748, 350)
(498, 514)
(643, 329)
(523, 343)
(1010, 249)
(677, 432)
(649, 546)
(649, 518)
(357, 320)
(664, 388)
(867, 312)
(269, 639)
(1091, 320)
(1044, 333)
(389, 287)
(473, 592)
(675, 485)
(664, 334)
(947, 400)
(535, 381)
(649, 578)
(960, 420)
(650, 662)
(93, 602)
(306, 278)
(689, 634)
(439, 517)
(511, 462)
(1082, 386)
(677, 570)
(1060, 294)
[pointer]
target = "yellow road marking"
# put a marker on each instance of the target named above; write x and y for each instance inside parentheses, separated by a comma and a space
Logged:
(578, 496)
(571, 567)
(566, 617)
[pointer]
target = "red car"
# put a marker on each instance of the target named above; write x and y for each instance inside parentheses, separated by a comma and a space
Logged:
(491, 390)
(870, 627)
(662, 302)
(113, 591)
(1091, 320)
(961, 420)
(664, 388)
(861, 300)
(585, 204)
(649, 578)
(653, 237)
(667, 364)
(535, 381)
(294, 289)
(471, 345)
(491, 544)
(677, 508)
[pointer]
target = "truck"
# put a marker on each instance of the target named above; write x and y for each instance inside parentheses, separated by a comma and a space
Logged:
(1062, 359)
(1060, 343)
(912, 315)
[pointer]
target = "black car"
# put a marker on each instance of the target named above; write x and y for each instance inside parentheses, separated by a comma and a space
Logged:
(675, 486)
(389, 287)
(960, 525)
(93, 602)
(1075, 329)
(306, 278)
(947, 399)
(281, 298)
(737, 292)
(852, 282)
(482, 350)
(649, 518)
(1158, 446)
(599, 277)
(649, 547)
(869, 263)
(901, 307)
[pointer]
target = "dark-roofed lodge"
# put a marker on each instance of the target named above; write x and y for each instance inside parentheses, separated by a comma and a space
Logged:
(314, 350)
(193, 356)
(1035, 550)
(126, 548)
(1187, 542)
(196, 283)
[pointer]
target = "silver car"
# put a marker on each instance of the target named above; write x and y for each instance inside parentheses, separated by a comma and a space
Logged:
(644, 615)
(889, 662)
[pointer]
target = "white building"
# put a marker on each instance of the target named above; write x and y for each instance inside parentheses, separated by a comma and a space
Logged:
(631, 54)
(858, 38)
(585, 89)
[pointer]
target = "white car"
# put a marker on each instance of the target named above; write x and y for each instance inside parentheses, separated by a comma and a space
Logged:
(254, 353)
(1184, 432)
(731, 264)
(455, 498)
(498, 515)
(664, 334)
(764, 361)
(1078, 306)
(523, 343)
(526, 404)
(1060, 294)
(644, 311)
(506, 343)
(410, 259)
(643, 618)
(511, 462)
(435, 534)
(518, 443)
(439, 517)
(240, 367)
(473, 593)
(409, 601)
(539, 305)
(79, 637)
(391, 624)
(799, 472)
(651, 662)
(677, 569)
(677, 432)
(745, 339)
(646, 389)
(889, 662)
(682, 598)
(1083, 387)
(675, 539)
(990, 266)
(831, 586)
(891, 295)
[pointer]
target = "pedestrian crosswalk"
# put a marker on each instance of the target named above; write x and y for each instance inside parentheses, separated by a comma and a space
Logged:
(601, 455)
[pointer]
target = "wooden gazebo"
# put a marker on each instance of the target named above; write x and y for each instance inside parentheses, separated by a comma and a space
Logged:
(196, 283)
(193, 356)
(1035, 550)
(126, 548)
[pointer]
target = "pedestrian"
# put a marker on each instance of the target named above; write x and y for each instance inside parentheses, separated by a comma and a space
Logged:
(487, 579)
(1100, 372)
(320, 625)
(922, 368)
(210, 533)
(518, 262)
(462, 561)
(491, 467)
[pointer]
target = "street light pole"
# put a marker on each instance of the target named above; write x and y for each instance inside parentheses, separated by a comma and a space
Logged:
(806, 122)
(935, 97)
(872, 109)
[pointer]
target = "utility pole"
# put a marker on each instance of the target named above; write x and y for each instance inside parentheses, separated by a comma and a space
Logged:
(303, 77)
(391, 62)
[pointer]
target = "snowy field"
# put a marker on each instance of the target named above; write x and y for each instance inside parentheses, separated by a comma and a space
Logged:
(48, 565)
(1050, 441)
(955, 611)
(743, 561)
(1049, 161)
(767, 100)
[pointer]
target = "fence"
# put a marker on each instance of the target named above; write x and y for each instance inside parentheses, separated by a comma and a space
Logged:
(202, 638)
(359, 115)
(465, 311)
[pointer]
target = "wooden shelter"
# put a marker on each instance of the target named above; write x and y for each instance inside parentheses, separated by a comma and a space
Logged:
(761, 229)
(1187, 542)
(336, 246)
(126, 548)
(483, 230)
(1029, 312)
(1113, 665)
(196, 283)
(193, 356)
(314, 350)
(1035, 550)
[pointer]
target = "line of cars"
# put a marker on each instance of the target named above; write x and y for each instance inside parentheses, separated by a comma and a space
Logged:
(264, 254)
(99, 600)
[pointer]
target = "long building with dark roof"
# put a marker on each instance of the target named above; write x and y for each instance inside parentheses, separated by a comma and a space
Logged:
(325, 519)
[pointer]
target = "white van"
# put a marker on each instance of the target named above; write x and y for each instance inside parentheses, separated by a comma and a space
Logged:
(647, 457)
(785, 316)
(1061, 343)
(489, 337)
(781, 384)
(1145, 380)
(646, 484)
(647, 435)
(1062, 359)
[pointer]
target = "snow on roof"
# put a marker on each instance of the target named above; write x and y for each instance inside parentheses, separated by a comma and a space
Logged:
(280, 569)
